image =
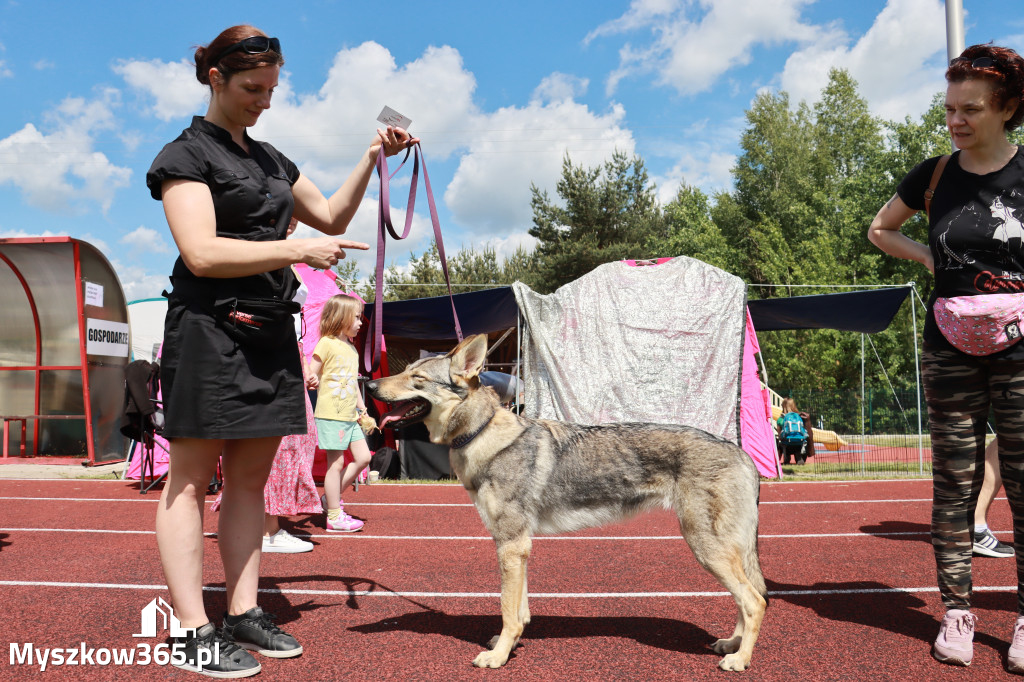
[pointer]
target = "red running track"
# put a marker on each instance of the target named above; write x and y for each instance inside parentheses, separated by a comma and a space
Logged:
(415, 595)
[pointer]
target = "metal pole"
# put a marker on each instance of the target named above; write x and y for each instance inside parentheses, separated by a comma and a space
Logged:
(917, 379)
(954, 35)
(863, 438)
(954, 29)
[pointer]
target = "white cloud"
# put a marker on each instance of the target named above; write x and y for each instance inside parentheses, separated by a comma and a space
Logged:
(514, 147)
(693, 43)
(326, 133)
(61, 170)
(43, 65)
(146, 239)
(898, 63)
(137, 282)
(5, 71)
(172, 85)
(560, 86)
(500, 153)
(22, 234)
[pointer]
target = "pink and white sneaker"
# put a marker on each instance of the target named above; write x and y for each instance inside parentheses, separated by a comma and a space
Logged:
(345, 524)
(955, 643)
(1015, 659)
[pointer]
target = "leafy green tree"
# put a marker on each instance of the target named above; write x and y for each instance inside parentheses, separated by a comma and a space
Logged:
(608, 215)
(468, 269)
(690, 231)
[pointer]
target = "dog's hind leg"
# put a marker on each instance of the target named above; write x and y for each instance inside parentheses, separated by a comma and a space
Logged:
(732, 559)
(512, 558)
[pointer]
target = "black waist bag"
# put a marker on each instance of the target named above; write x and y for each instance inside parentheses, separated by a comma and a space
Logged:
(257, 322)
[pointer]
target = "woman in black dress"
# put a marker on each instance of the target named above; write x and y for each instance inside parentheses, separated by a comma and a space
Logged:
(228, 201)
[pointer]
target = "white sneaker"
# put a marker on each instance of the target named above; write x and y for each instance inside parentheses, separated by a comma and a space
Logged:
(282, 542)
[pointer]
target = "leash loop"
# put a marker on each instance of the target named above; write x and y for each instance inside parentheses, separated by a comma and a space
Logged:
(374, 340)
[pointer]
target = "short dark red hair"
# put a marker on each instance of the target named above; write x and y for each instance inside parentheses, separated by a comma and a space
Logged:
(239, 60)
(1006, 73)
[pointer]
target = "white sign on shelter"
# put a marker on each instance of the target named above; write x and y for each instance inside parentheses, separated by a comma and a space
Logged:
(103, 337)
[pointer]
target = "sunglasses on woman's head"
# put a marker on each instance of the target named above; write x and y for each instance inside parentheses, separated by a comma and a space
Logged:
(253, 45)
(979, 63)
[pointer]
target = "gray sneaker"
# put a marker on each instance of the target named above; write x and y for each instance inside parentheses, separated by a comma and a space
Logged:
(255, 630)
(208, 652)
(986, 544)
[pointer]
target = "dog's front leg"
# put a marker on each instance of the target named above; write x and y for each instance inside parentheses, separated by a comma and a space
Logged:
(512, 557)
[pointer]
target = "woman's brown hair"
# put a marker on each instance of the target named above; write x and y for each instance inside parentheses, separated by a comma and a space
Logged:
(1005, 73)
(238, 60)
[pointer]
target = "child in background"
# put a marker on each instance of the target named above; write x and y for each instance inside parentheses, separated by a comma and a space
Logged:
(339, 404)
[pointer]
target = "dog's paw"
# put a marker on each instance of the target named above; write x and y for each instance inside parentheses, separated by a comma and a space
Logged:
(489, 659)
(726, 646)
(733, 662)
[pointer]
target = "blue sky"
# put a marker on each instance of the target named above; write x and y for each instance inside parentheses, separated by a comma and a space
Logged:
(498, 92)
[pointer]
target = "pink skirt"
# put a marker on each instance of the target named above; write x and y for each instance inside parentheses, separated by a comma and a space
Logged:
(290, 489)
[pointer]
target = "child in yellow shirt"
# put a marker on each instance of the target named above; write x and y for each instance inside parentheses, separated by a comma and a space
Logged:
(339, 404)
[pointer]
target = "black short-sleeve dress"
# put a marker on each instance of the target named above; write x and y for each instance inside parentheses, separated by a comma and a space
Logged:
(213, 387)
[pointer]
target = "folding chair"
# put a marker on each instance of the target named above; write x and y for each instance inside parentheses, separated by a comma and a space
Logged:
(143, 417)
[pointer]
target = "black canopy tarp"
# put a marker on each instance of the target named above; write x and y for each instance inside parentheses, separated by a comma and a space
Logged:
(867, 312)
(480, 312)
(494, 310)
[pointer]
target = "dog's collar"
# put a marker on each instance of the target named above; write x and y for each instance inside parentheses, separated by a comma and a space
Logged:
(462, 441)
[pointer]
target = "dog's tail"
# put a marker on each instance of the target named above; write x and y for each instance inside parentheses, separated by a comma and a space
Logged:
(752, 561)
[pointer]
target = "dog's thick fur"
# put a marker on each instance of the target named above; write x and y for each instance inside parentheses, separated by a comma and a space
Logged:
(537, 476)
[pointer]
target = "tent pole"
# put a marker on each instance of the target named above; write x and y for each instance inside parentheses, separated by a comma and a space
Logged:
(917, 378)
(863, 438)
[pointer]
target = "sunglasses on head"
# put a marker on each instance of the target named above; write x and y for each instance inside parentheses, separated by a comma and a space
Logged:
(979, 63)
(252, 45)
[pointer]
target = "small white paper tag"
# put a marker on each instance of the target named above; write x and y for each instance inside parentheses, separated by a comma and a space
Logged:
(390, 117)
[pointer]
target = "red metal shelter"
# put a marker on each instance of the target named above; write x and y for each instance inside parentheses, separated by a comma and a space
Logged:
(64, 344)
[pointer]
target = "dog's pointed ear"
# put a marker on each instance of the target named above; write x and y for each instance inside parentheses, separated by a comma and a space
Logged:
(468, 357)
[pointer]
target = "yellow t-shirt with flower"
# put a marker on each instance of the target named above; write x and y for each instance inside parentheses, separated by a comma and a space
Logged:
(336, 397)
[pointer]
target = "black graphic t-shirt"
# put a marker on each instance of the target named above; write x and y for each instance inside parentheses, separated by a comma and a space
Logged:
(975, 232)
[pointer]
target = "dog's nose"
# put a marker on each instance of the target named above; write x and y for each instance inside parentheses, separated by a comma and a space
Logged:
(371, 386)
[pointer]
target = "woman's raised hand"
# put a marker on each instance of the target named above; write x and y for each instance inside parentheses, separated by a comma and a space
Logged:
(393, 140)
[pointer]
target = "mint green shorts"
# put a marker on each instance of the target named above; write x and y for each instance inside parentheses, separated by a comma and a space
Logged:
(332, 434)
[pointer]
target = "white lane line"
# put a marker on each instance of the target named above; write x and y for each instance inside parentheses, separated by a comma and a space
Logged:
(495, 595)
(156, 498)
(360, 536)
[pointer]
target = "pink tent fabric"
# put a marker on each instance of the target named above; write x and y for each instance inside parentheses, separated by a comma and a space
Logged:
(756, 432)
(322, 284)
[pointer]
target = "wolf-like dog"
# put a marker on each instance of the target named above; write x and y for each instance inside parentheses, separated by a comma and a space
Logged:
(529, 476)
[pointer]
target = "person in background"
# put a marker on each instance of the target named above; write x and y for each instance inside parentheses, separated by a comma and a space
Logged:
(793, 429)
(976, 196)
(334, 371)
(290, 488)
(228, 200)
(985, 543)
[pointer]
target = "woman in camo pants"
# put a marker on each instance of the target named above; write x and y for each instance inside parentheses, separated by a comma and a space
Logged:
(974, 248)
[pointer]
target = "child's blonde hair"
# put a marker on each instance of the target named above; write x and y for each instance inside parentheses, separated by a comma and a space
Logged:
(338, 314)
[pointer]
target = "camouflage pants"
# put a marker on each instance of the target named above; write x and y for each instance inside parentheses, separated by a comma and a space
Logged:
(959, 390)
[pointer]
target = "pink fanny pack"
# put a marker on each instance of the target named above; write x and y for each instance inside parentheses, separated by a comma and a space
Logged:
(980, 325)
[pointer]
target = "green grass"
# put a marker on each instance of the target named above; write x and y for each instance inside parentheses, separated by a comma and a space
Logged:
(849, 471)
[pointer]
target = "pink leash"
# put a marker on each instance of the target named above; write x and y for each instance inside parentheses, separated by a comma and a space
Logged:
(374, 341)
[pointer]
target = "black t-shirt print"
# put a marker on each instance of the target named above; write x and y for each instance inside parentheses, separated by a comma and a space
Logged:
(976, 233)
